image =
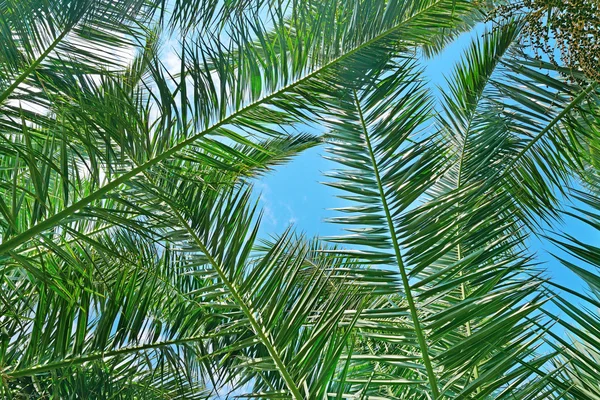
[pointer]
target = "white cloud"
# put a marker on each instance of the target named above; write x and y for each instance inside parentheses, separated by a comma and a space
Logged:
(292, 219)
(267, 206)
(172, 62)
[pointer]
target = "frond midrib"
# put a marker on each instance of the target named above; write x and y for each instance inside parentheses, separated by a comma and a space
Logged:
(246, 308)
(404, 275)
(99, 355)
(60, 216)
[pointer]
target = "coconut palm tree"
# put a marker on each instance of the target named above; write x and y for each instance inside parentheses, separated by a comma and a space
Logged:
(131, 264)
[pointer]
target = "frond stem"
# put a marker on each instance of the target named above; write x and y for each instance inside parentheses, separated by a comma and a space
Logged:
(405, 281)
(98, 356)
(550, 125)
(463, 286)
(60, 216)
(242, 303)
(8, 91)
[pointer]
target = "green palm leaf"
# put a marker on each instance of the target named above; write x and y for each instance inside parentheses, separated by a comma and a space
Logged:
(577, 366)
(131, 265)
(400, 20)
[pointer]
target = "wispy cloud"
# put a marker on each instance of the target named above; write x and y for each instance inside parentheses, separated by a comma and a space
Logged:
(275, 211)
(267, 206)
(292, 215)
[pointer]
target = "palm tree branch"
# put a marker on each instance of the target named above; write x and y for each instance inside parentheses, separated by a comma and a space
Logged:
(557, 119)
(72, 361)
(57, 218)
(21, 78)
(237, 296)
(485, 76)
(405, 282)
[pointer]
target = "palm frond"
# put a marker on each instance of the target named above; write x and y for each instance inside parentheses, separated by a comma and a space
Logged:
(226, 114)
(579, 362)
(466, 283)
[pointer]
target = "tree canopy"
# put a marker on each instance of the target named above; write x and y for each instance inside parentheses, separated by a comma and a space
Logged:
(131, 264)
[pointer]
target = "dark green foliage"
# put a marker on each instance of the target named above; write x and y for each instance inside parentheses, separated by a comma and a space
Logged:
(130, 266)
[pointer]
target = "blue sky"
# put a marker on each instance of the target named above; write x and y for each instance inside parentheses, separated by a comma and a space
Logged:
(294, 194)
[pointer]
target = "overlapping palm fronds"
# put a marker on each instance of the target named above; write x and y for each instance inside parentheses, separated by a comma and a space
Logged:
(130, 263)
